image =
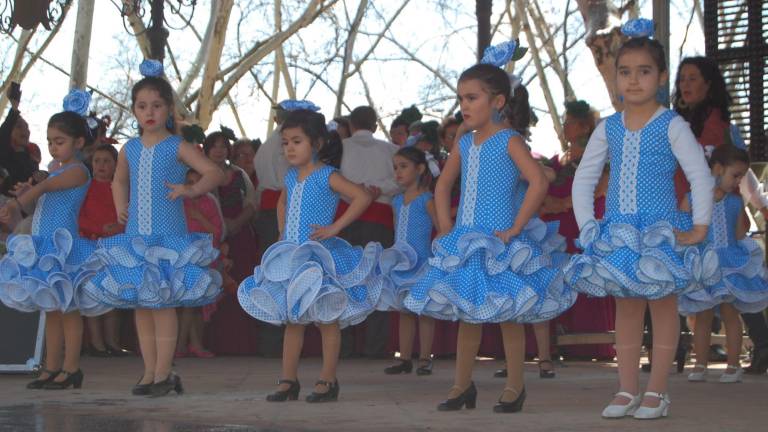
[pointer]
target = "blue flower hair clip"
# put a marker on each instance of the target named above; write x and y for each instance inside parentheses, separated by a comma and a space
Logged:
(77, 101)
(332, 126)
(501, 54)
(412, 140)
(293, 105)
(638, 28)
(151, 68)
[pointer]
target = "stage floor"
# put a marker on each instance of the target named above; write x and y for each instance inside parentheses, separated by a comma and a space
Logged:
(227, 394)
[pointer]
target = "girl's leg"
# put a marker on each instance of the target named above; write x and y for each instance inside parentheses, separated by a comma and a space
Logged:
(466, 350)
(629, 336)
(196, 326)
(112, 329)
(331, 334)
(426, 336)
(407, 333)
(666, 324)
(541, 330)
(54, 342)
(73, 341)
(702, 334)
(166, 334)
(513, 336)
(293, 342)
(733, 333)
(145, 329)
(185, 325)
(95, 333)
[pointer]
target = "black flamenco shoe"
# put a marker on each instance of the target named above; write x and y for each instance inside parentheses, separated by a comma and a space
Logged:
(74, 379)
(500, 373)
(546, 373)
(425, 367)
(93, 352)
(141, 389)
(468, 399)
(39, 383)
(332, 395)
(510, 407)
(119, 352)
(405, 367)
(283, 395)
(162, 388)
(759, 363)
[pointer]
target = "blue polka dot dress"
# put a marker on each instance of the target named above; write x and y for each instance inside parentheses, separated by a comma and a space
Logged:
(302, 281)
(45, 271)
(157, 263)
(473, 276)
(402, 265)
(740, 277)
(633, 252)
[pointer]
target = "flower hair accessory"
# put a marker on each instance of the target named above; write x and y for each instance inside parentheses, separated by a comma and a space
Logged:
(228, 133)
(501, 54)
(332, 126)
(412, 140)
(151, 68)
(293, 105)
(77, 101)
(638, 28)
(434, 168)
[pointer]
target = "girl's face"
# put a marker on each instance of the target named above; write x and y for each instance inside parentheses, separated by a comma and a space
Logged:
(63, 147)
(730, 176)
(477, 104)
(638, 78)
(693, 87)
(407, 173)
(103, 166)
(218, 152)
(192, 178)
(20, 134)
(424, 146)
(343, 131)
(399, 135)
(449, 136)
(297, 147)
(150, 110)
(244, 157)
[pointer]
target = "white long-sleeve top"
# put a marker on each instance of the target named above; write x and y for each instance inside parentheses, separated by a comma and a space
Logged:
(367, 160)
(686, 150)
(270, 163)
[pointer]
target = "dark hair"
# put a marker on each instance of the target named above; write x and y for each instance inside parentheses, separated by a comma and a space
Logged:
(311, 123)
(517, 111)
(447, 122)
(363, 117)
(717, 96)
(406, 118)
(108, 148)
(214, 137)
(245, 142)
(162, 87)
(494, 79)
(330, 153)
(429, 134)
(728, 155)
(418, 157)
(71, 124)
(653, 47)
(342, 122)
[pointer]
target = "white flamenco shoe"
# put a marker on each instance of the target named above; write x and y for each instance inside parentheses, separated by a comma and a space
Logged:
(648, 413)
(619, 411)
(698, 374)
(732, 374)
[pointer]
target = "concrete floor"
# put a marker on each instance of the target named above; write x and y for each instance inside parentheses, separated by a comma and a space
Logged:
(227, 394)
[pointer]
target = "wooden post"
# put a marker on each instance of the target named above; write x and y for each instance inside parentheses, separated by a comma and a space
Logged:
(661, 18)
(78, 76)
(483, 11)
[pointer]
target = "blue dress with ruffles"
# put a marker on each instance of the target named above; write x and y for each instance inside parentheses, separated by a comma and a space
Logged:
(741, 277)
(402, 265)
(302, 281)
(473, 276)
(157, 263)
(632, 251)
(46, 270)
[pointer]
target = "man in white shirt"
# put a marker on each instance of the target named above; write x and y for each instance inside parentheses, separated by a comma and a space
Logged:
(368, 161)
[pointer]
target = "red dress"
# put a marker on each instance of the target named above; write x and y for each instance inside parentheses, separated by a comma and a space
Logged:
(98, 210)
(712, 135)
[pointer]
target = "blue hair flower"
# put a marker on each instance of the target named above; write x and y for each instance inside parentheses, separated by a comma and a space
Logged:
(638, 27)
(77, 101)
(151, 68)
(332, 126)
(412, 140)
(501, 54)
(293, 105)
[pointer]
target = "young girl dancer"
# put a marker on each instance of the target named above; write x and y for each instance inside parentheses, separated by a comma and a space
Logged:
(45, 271)
(156, 265)
(311, 276)
(634, 253)
(743, 287)
(405, 263)
(488, 268)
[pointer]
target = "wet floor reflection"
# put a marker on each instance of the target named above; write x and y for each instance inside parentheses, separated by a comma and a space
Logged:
(33, 417)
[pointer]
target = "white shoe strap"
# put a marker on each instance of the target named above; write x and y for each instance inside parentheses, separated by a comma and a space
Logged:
(626, 395)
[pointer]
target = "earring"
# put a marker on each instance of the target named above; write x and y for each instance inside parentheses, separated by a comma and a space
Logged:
(169, 123)
(621, 98)
(135, 124)
(496, 116)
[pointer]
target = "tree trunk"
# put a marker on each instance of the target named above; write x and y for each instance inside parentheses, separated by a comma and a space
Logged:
(483, 11)
(276, 74)
(205, 106)
(78, 77)
(138, 28)
(197, 65)
(348, 51)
